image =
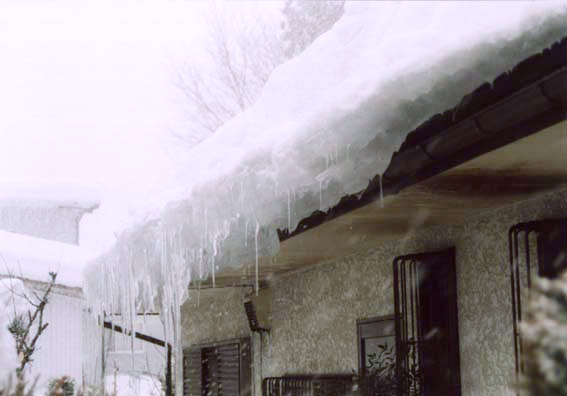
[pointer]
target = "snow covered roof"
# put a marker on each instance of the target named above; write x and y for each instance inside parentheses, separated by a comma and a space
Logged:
(47, 196)
(381, 71)
(33, 258)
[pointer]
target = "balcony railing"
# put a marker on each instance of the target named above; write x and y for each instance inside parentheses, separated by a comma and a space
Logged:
(309, 385)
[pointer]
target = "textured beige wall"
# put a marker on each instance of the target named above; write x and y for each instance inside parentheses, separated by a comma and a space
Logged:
(213, 315)
(315, 311)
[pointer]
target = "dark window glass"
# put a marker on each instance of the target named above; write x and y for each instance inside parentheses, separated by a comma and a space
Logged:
(552, 251)
(427, 340)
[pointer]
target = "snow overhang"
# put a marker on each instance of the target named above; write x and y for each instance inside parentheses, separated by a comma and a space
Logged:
(326, 123)
(49, 196)
(505, 142)
(527, 99)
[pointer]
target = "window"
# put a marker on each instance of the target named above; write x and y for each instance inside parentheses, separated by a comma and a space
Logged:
(535, 248)
(219, 369)
(427, 341)
(376, 355)
(374, 335)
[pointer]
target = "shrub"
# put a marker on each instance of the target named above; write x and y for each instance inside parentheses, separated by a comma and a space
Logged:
(545, 336)
(64, 386)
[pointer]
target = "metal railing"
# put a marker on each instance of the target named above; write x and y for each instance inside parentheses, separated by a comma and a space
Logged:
(309, 385)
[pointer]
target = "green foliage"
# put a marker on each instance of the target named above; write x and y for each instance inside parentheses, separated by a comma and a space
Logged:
(382, 378)
(545, 338)
(64, 386)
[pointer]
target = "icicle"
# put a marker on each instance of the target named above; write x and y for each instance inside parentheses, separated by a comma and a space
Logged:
(213, 269)
(320, 195)
(288, 211)
(348, 151)
(381, 191)
(246, 233)
(276, 188)
(257, 284)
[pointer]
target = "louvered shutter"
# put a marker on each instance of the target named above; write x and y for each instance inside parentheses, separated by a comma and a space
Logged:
(245, 367)
(222, 369)
(425, 298)
(192, 372)
(228, 369)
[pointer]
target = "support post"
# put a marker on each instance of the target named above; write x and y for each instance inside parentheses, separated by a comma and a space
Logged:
(168, 384)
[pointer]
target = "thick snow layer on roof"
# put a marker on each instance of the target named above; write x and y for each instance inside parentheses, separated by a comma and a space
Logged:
(33, 258)
(326, 122)
(48, 195)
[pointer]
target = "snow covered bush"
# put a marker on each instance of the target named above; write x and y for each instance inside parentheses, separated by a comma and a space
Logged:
(64, 386)
(545, 335)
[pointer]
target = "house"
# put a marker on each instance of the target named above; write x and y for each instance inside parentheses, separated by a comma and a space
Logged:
(430, 262)
(474, 206)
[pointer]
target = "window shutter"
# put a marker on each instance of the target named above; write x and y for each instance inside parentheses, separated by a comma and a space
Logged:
(427, 341)
(192, 372)
(228, 374)
(245, 367)
(221, 369)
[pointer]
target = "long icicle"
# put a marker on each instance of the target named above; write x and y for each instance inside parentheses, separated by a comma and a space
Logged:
(257, 284)
(381, 192)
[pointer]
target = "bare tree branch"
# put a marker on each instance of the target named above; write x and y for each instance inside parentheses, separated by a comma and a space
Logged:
(23, 330)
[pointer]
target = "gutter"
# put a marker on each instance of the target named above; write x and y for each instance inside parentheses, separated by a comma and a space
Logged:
(489, 118)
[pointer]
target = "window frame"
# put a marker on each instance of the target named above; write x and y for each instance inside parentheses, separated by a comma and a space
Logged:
(385, 320)
(409, 306)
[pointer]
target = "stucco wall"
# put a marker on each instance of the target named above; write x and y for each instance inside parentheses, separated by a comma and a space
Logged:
(314, 312)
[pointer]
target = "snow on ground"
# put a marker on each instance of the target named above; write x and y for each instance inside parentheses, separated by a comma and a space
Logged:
(33, 258)
(132, 385)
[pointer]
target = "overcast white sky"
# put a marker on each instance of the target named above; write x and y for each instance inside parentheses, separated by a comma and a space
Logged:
(88, 96)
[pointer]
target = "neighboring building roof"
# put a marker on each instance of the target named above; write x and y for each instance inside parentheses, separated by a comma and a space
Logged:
(33, 258)
(48, 196)
(50, 212)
